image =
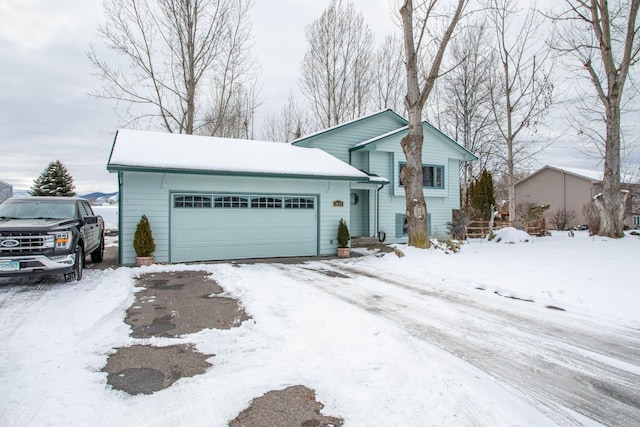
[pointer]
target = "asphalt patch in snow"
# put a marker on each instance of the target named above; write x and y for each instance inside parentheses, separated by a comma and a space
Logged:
(293, 406)
(170, 304)
(174, 304)
(145, 369)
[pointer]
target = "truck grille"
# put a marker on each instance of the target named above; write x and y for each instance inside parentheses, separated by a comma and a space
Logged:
(24, 243)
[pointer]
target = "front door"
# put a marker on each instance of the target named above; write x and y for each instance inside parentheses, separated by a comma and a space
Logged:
(359, 213)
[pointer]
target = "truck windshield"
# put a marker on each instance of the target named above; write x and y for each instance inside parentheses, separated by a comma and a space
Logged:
(37, 209)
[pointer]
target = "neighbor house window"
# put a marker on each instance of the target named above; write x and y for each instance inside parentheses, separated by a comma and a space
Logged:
(636, 220)
(432, 175)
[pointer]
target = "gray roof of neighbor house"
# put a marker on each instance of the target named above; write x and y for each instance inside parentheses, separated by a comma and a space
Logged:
(588, 174)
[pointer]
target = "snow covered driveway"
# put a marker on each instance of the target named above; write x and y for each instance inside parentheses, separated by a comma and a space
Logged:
(562, 364)
(425, 340)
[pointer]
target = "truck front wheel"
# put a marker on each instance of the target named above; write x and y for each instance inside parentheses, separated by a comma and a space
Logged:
(76, 273)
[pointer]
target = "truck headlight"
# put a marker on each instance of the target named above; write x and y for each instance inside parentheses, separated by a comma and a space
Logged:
(63, 239)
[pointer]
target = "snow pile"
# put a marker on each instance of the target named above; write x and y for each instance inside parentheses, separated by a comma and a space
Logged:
(511, 235)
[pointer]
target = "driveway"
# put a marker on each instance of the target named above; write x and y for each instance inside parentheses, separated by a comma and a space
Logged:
(379, 343)
(563, 364)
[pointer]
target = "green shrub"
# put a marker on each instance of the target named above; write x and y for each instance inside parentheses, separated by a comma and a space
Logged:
(143, 238)
(343, 234)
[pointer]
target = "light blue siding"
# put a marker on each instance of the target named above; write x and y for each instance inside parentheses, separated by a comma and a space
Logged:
(385, 160)
(150, 194)
(338, 141)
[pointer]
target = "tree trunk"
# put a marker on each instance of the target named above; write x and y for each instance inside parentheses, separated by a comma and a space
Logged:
(611, 204)
(411, 174)
(411, 177)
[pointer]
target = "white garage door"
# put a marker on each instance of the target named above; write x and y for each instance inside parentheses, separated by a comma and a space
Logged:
(223, 226)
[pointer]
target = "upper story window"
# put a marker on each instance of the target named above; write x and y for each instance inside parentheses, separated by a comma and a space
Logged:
(432, 175)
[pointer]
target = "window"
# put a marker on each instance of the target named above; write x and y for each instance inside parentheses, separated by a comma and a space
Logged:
(432, 175)
(231, 202)
(192, 202)
(636, 220)
(402, 226)
(266, 202)
(298, 203)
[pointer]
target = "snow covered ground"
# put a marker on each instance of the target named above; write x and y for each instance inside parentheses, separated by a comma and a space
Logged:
(429, 339)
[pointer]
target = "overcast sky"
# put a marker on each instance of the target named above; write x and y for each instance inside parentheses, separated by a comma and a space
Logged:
(46, 113)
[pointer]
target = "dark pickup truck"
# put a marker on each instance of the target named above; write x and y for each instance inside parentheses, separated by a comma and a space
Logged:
(49, 235)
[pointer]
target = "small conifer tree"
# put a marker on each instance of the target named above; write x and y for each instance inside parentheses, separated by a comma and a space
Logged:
(482, 196)
(55, 180)
(143, 238)
(343, 234)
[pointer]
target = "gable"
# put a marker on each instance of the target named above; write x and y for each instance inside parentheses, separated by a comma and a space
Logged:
(339, 139)
(435, 143)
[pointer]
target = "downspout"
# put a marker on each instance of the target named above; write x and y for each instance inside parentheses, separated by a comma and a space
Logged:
(120, 180)
(377, 213)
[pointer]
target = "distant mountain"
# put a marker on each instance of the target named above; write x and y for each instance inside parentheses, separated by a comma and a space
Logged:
(101, 198)
(96, 198)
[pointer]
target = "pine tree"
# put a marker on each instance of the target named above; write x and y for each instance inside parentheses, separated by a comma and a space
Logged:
(482, 196)
(55, 180)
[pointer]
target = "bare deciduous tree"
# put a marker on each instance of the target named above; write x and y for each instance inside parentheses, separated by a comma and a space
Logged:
(389, 84)
(336, 70)
(172, 51)
(601, 35)
(522, 92)
(416, 47)
(467, 113)
(291, 124)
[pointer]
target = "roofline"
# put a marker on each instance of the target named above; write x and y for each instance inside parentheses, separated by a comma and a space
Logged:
(558, 169)
(124, 168)
(379, 139)
(113, 146)
(349, 123)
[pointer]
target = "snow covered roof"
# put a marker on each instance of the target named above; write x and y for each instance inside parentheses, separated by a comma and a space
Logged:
(144, 150)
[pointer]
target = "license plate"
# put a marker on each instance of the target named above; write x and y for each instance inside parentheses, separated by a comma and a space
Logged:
(9, 266)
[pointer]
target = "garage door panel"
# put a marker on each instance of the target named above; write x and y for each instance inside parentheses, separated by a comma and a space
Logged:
(208, 233)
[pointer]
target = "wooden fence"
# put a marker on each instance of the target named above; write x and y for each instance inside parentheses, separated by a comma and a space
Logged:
(480, 229)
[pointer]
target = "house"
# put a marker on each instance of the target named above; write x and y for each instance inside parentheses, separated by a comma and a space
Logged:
(372, 144)
(6, 191)
(569, 189)
(214, 198)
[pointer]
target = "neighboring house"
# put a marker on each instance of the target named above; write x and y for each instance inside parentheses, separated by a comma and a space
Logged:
(6, 191)
(569, 189)
(372, 144)
(213, 198)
